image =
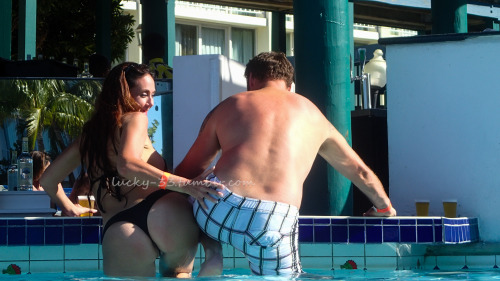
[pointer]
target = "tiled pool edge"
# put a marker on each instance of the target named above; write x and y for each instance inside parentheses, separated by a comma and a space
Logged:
(72, 244)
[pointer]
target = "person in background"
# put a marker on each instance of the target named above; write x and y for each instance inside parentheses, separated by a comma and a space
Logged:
(153, 47)
(41, 161)
(268, 146)
(145, 210)
(80, 187)
(99, 65)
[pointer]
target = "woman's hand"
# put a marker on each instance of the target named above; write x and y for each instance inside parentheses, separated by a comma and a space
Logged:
(77, 211)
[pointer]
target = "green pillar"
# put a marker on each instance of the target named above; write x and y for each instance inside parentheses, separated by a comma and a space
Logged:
(278, 32)
(493, 24)
(27, 29)
(449, 16)
(5, 29)
(158, 16)
(103, 32)
(322, 49)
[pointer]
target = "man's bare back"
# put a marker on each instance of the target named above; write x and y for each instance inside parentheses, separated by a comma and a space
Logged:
(269, 140)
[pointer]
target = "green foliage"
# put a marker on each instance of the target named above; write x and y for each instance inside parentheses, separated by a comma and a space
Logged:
(59, 107)
(152, 129)
(67, 29)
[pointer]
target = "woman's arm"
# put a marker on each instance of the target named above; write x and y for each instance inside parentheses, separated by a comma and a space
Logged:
(65, 163)
(131, 166)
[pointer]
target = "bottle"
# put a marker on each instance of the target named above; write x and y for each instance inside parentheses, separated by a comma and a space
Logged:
(25, 166)
(86, 73)
(12, 172)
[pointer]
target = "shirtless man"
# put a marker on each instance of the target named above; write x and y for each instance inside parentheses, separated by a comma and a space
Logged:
(269, 138)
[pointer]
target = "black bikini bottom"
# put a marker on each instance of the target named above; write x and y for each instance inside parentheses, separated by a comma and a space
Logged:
(138, 215)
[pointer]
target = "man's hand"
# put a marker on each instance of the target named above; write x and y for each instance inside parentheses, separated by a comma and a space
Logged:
(372, 212)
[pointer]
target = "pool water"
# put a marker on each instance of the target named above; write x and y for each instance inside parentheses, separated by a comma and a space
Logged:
(312, 274)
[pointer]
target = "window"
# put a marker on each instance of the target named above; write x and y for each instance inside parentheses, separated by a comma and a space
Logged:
(242, 44)
(186, 40)
(212, 41)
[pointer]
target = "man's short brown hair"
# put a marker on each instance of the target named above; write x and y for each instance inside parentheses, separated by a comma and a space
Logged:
(270, 66)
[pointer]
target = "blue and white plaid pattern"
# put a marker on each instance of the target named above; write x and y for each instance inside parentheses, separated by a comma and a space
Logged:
(266, 232)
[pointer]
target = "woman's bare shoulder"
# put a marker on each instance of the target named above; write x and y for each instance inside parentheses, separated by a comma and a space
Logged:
(133, 117)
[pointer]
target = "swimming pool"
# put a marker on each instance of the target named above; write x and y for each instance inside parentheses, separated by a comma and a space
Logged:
(312, 274)
(57, 245)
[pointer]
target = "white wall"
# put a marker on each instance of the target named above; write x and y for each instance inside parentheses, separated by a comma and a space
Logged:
(444, 127)
(200, 83)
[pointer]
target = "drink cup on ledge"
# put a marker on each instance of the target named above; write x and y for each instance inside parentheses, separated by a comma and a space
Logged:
(422, 208)
(450, 208)
(83, 200)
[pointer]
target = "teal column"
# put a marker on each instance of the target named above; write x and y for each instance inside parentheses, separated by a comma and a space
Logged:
(170, 38)
(27, 29)
(493, 24)
(449, 16)
(166, 101)
(103, 31)
(159, 16)
(278, 32)
(322, 49)
(5, 29)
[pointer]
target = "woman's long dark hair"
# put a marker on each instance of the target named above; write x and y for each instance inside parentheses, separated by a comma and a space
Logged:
(100, 131)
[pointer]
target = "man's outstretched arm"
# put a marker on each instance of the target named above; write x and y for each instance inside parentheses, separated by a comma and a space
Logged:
(337, 152)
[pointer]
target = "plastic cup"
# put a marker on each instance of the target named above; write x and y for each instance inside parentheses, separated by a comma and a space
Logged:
(422, 208)
(83, 200)
(450, 208)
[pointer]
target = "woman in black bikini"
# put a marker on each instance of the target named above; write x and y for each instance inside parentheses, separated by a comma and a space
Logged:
(142, 217)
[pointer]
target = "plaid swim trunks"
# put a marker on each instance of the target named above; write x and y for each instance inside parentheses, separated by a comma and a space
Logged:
(266, 232)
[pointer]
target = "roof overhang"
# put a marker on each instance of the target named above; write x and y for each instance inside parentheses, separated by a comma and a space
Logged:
(407, 14)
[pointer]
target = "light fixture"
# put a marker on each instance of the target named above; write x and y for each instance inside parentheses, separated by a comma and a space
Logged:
(376, 67)
(138, 32)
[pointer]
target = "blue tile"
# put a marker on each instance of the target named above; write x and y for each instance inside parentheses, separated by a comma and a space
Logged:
(96, 221)
(407, 221)
(3, 236)
(339, 221)
(339, 234)
(322, 234)
(72, 235)
(391, 233)
(321, 221)
(438, 233)
(425, 234)
(356, 234)
(54, 221)
(73, 221)
(373, 221)
(3, 222)
(306, 233)
(16, 236)
(35, 222)
(389, 221)
(438, 221)
(425, 221)
(373, 234)
(305, 221)
(92, 234)
(408, 234)
(356, 221)
(35, 235)
(54, 235)
(16, 222)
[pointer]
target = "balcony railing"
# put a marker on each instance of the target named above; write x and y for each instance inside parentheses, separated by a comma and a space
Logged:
(226, 10)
